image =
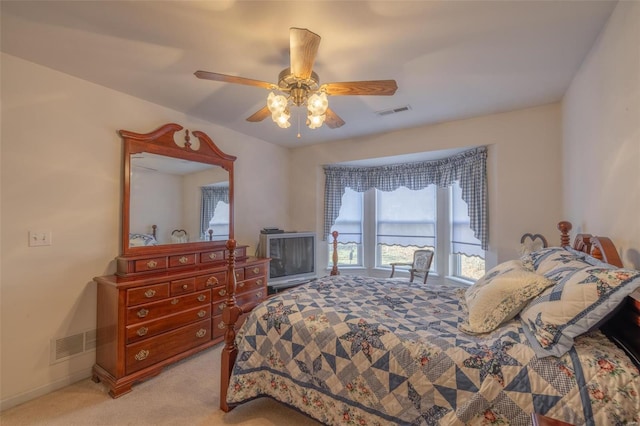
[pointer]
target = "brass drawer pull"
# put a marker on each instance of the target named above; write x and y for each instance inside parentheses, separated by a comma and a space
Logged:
(221, 306)
(212, 281)
(202, 298)
(142, 331)
(185, 286)
(259, 295)
(149, 293)
(143, 354)
(175, 301)
(259, 282)
(256, 270)
(241, 284)
(236, 252)
(222, 292)
(152, 264)
(213, 256)
(222, 325)
(143, 313)
(201, 333)
(183, 260)
(201, 314)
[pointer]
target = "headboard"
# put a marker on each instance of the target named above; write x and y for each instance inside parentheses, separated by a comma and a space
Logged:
(623, 328)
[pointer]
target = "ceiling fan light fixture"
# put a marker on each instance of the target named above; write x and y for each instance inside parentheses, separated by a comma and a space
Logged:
(281, 118)
(318, 103)
(315, 120)
(276, 103)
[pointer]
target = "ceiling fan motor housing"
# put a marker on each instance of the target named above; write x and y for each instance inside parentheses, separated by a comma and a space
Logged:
(298, 88)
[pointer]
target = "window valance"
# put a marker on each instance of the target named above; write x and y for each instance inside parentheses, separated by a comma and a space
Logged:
(469, 168)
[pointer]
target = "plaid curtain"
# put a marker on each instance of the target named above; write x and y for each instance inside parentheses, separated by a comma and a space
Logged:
(469, 168)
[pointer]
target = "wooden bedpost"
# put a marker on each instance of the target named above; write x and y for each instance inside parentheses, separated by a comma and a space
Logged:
(564, 227)
(334, 269)
(230, 315)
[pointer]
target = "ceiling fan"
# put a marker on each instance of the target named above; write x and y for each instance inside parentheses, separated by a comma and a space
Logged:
(299, 85)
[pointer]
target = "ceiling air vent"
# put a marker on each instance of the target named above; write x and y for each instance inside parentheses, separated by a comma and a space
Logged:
(393, 110)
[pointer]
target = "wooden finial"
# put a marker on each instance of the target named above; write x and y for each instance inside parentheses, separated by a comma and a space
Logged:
(334, 269)
(564, 227)
(187, 138)
(210, 234)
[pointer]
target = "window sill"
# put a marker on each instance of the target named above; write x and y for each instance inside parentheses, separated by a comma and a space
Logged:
(460, 280)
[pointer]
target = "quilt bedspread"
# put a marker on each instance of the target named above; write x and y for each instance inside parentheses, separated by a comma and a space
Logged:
(367, 351)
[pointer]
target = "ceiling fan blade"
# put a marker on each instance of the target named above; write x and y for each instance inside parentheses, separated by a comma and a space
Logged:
(332, 120)
(206, 75)
(303, 46)
(371, 87)
(259, 115)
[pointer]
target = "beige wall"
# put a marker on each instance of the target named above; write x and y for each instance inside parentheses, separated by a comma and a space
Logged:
(61, 172)
(601, 122)
(523, 171)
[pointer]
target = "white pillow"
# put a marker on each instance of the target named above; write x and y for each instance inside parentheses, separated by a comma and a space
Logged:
(499, 295)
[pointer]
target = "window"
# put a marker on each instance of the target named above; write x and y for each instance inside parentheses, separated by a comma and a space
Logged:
(405, 221)
(401, 221)
(349, 226)
(215, 212)
(219, 223)
(467, 256)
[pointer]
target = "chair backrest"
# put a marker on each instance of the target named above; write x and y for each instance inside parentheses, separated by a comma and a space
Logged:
(421, 264)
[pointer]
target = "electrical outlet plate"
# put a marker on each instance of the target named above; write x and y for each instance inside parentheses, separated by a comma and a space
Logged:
(39, 238)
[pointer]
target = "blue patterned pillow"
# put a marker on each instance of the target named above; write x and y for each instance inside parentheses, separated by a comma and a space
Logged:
(578, 301)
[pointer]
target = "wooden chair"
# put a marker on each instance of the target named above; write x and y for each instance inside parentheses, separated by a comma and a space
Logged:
(420, 266)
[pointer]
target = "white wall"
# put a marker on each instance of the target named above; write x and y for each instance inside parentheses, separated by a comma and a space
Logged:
(601, 122)
(61, 172)
(523, 171)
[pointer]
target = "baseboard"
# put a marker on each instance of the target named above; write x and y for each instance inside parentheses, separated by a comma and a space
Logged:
(5, 404)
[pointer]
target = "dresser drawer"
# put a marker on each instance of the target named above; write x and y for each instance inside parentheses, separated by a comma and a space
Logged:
(148, 329)
(150, 293)
(173, 305)
(240, 252)
(211, 280)
(219, 294)
(182, 260)
(251, 297)
(254, 271)
(155, 349)
(179, 287)
(212, 256)
(218, 328)
(250, 285)
(240, 274)
(150, 264)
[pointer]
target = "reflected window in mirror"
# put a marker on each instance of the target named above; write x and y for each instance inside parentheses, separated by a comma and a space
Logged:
(214, 222)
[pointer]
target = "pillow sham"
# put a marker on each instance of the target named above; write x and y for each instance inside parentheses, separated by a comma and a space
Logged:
(579, 300)
(139, 240)
(545, 260)
(499, 295)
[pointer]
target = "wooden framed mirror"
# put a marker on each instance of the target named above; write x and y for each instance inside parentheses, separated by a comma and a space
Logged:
(177, 194)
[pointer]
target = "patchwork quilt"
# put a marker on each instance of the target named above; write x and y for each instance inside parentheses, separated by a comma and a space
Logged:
(367, 351)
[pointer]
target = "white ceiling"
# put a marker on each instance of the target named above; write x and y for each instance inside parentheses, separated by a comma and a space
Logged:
(451, 59)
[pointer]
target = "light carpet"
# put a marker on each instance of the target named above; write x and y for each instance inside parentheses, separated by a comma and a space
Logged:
(186, 393)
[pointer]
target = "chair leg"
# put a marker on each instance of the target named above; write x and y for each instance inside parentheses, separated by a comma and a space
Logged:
(393, 270)
(426, 275)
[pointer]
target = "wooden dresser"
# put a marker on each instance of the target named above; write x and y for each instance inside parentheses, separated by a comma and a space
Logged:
(158, 310)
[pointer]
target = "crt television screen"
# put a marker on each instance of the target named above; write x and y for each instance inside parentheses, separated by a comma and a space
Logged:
(291, 256)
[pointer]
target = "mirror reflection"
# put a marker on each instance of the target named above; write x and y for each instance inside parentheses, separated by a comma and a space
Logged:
(174, 201)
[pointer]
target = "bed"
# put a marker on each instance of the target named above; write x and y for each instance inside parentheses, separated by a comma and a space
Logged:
(141, 239)
(554, 333)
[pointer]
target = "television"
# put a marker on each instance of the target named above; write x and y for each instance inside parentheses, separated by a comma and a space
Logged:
(293, 257)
